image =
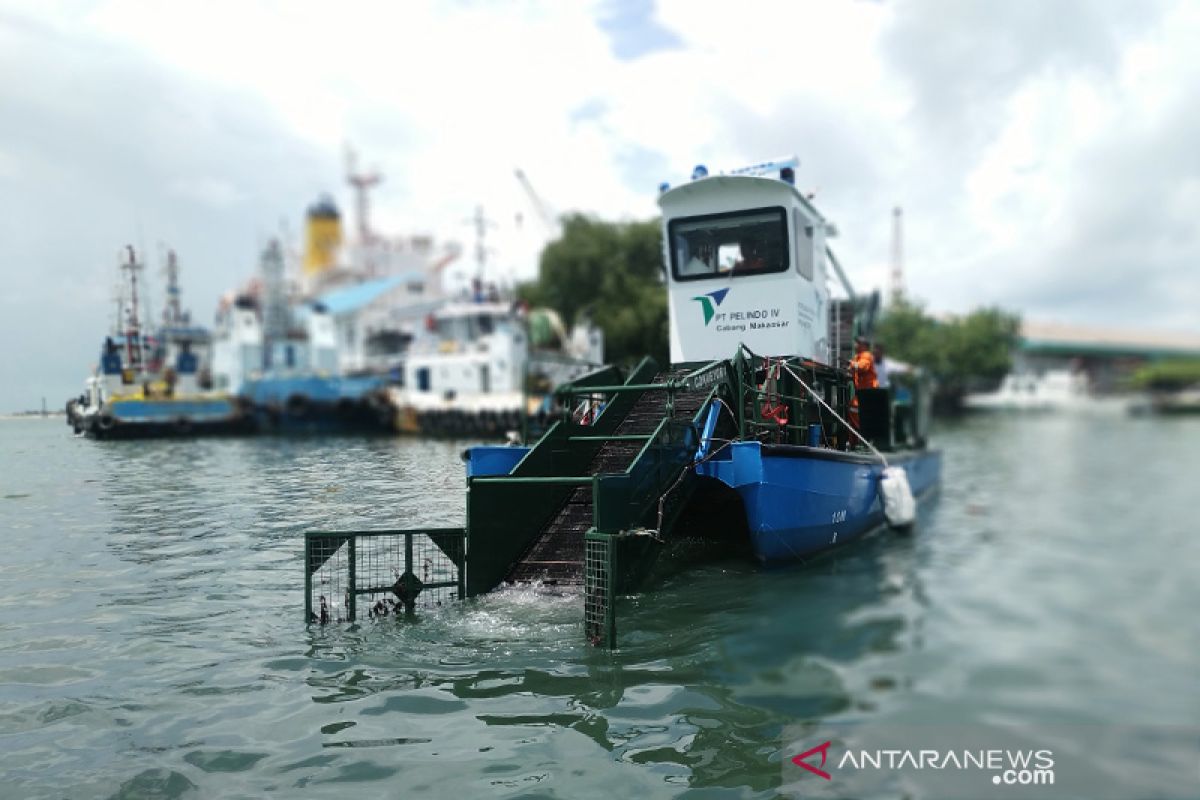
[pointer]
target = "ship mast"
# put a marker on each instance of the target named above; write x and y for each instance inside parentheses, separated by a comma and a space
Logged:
(481, 225)
(172, 314)
(133, 334)
(118, 296)
(275, 305)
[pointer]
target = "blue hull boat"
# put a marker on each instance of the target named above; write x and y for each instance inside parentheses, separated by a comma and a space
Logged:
(139, 418)
(309, 403)
(795, 501)
(802, 500)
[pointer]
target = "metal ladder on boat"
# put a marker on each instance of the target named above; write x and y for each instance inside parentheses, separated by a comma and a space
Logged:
(531, 525)
(557, 555)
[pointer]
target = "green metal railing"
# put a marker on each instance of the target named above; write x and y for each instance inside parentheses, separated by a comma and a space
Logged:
(762, 383)
(627, 509)
(506, 513)
(625, 500)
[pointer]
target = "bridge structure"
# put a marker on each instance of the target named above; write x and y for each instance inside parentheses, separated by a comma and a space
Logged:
(1108, 356)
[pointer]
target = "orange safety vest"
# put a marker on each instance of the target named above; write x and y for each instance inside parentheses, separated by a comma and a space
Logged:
(864, 372)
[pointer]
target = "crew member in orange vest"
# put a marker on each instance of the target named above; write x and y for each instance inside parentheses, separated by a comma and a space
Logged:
(862, 369)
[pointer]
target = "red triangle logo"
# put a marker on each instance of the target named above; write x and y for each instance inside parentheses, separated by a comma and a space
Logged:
(823, 749)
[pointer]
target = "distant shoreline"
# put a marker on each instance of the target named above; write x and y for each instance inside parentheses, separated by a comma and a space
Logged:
(33, 415)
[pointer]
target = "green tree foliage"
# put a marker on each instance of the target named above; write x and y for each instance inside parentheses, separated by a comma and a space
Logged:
(1168, 376)
(961, 353)
(612, 273)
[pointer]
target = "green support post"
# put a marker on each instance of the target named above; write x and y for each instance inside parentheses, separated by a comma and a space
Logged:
(610, 621)
(410, 600)
(308, 615)
(352, 577)
(462, 574)
(740, 399)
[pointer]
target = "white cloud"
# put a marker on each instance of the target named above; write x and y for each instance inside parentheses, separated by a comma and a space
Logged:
(1011, 161)
(214, 192)
(8, 165)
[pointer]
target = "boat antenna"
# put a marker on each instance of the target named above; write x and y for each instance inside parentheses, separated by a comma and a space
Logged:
(481, 223)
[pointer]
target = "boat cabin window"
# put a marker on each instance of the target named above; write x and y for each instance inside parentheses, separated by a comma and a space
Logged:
(804, 245)
(387, 342)
(469, 328)
(753, 242)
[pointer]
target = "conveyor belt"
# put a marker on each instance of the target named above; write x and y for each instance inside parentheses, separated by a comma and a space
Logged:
(556, 556)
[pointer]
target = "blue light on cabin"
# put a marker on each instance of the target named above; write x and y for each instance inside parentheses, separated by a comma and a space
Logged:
(663, 187)
(700, 171)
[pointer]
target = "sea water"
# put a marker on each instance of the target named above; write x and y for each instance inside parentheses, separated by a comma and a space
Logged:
(152, 640)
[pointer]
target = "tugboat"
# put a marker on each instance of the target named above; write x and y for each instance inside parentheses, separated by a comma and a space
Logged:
(152, 384)
(486, 369)
(754, 437)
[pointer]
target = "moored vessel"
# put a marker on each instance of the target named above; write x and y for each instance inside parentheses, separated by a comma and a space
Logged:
(153, 382)
(280, 356)
(487, 368)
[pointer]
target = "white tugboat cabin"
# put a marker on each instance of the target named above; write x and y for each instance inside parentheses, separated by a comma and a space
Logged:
(746, 264)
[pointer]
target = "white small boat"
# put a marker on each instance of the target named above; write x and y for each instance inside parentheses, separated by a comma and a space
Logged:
(1053, 390)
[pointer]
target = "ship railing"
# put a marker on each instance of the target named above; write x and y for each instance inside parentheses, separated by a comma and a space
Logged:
(702, 377)
(774, 405)
(591, 399)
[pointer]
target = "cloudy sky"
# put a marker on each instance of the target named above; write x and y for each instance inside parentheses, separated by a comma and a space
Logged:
(1047, 154)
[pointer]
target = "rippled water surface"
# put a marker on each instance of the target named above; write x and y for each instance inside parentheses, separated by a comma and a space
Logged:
(152, 640)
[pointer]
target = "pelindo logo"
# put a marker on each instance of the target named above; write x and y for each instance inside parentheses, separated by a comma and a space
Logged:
(709, 302)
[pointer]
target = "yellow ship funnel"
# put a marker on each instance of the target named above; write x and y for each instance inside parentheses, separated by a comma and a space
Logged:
(323, 236)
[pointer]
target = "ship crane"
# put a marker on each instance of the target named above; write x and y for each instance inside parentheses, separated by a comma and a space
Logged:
(549, 219)
(897, 276)
(363, 182)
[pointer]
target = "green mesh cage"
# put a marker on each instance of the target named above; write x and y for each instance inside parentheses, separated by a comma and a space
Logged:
(354, 574)
(599, 612)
